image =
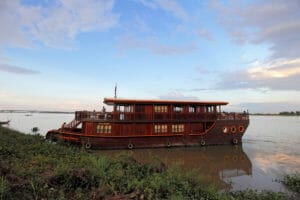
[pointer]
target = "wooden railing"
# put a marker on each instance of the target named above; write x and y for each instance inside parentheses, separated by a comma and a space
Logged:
(233, 116)
(131, 116)
(73, 124)
(87, 115)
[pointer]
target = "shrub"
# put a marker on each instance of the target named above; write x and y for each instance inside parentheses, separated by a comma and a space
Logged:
(3, 188)
(292, 181)
(74, 179)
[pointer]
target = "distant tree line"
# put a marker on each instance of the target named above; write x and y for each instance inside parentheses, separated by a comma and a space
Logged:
(290, 113)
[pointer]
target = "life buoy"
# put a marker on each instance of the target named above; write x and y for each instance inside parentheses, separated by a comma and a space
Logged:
(168, 144)
(241, 129)
(235, 141)
(233, 129)
(225, 129)
(202, 142)
(88, 145)
(130, 146)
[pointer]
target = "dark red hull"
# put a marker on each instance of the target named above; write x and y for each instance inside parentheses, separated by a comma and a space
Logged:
(214, 136)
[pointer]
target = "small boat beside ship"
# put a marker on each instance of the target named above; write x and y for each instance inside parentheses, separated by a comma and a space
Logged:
(134, 123)
(4, 122)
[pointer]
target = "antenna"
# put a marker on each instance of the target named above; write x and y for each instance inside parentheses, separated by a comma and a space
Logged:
(116, 91)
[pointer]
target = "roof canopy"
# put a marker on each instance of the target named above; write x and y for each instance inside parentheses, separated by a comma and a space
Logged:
(112, 101)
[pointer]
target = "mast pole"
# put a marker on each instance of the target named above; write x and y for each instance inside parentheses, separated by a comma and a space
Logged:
(116, 91)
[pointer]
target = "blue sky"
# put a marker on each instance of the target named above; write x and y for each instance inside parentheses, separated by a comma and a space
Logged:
(69, 54)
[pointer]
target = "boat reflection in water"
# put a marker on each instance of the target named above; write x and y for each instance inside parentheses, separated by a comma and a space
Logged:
(215, 163)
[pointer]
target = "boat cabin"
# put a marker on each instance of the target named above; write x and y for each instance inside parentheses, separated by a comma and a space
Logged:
(148, 117)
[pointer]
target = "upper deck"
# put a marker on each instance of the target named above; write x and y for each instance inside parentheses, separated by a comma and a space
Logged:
(132, 110)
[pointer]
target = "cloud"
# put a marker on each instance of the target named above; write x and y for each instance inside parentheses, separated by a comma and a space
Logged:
(204, 70)
(11, 32)
(273, 23)
(167, 50)
(176, 95)
(204, 33)
(154, 46)
(282, 74)
(55, 25)
(16, 70)
(173, 7)
(169, 6)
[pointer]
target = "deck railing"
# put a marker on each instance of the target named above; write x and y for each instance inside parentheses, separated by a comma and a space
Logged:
(233, 116)
(131, 116)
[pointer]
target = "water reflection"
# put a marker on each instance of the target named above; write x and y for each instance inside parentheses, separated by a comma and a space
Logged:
(214, 163)
(266, 163)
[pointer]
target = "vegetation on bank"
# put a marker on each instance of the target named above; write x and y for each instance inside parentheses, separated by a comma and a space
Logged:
(292, 181)
(284, 113)
(32, 168)
(291, 113)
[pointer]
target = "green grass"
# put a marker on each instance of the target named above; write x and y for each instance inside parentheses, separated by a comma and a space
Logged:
(32, 168)
(292, 181)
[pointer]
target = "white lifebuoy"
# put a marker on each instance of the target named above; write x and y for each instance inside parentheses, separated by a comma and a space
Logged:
(130, 146)
(225, 129)
(88, 145)
(202, 142)
(168, 144)
(235, 141)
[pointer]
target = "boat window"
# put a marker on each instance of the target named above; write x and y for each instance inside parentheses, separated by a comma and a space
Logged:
(125, 108)
(161, 109)
(103, 128)
(211, 108)
(120, 108)
(128, 108)
(178, 128)
(192, 109)
(177, 108)
(160, 128)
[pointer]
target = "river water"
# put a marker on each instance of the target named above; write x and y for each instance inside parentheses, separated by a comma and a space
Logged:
(271, 148)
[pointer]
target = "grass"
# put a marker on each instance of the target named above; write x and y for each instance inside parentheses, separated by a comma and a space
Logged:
(32, 168)
(292, 181)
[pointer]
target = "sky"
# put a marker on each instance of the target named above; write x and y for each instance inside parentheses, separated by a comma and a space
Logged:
(68, 55)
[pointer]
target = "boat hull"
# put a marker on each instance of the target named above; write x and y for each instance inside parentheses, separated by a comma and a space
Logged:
(216, 135)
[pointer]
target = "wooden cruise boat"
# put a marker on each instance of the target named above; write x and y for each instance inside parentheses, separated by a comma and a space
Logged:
(153, 123)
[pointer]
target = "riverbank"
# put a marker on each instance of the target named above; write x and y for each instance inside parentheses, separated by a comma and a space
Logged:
(32, 168)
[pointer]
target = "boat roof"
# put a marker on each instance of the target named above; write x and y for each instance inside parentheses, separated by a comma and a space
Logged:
(113, 101)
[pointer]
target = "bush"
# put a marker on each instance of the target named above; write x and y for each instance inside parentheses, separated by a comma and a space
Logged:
(74, 179)
(292, 181)
(3, 188)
